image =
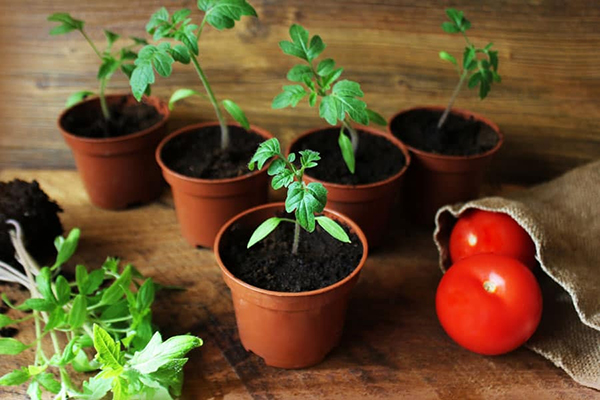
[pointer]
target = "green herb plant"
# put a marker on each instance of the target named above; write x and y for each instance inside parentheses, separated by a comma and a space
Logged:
(479, 65)
(220, 14)
(111, 59)
(107, 310)
(304, 200)
(339, 99)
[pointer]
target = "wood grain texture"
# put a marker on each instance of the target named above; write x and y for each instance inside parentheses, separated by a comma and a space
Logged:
(547, 104)
(392, 346)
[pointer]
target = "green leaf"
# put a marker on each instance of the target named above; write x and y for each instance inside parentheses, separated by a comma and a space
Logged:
(305, 201)
(141, 78)
(34, 391)
(297, 73)
(111, 37)
(78, 313)
(469, 58)
(48, 382)
(455, 16)
(81, 277)
(115, 291)
(448, 57)
(493, 55)
(95, 279)
(299, 37)
(77, 97)
(15, 378)
(108, 352)
(291, 95)
(81, 363)
(333, 228)
(347, 152)
(484, 88)
(449, 27)
(96, 388)
(43, 281)
(68, 23)
(139, 41)
(63, 290)
(156, 353)
(332, 77)
(38, 305)
(266, 150)
(181, 54)
(347, 88)
(325, 67)
(222, 14)
(328, 109)
(108, 67)
(474, 80)
(292, 50)
(10, 346)
(263, 231)
(236, 113)
(5, 320)
(66, 247)
(283, 179)
(181, 15)
(57, 318)
(188, 37)
(376, 118)
(309, 158)
(315, 48)
(160, 17)
(181, 94)
(145, 295)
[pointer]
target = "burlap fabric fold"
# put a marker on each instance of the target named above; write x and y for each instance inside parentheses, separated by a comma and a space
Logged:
(563, 218)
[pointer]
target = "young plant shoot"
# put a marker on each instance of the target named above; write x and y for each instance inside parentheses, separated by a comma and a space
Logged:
(339, 100)
(304, 200)
(111, 59)
(220, 14)
(100, 310)
(479, 66)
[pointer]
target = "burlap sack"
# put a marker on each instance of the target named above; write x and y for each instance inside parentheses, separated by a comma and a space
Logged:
(563, 218)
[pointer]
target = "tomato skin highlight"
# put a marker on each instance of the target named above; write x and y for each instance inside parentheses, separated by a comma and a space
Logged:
(489, 304)
(479, 232)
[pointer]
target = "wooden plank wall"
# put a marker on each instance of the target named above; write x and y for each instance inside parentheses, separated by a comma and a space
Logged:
(548, 104)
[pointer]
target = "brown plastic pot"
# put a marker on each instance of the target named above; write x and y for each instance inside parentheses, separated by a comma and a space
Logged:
(118, 172)
(435, 180)
(369, 205)
(289, 330)
(204, 205)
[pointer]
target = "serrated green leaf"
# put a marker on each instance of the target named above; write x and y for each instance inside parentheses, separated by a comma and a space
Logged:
(145, 295)
(78, 312)
(299, 37)
(111, 37)
(332, 77)
(309, 158)
(455, 16)
(160, 17)
(43, 281)
(76, 98)
(37, 304)
(236, 113)
(468, 57)
(5, 320)
(96, 388)
(347, 88)
(34, 391)
(68, 23)
(188, 37)
(449, 27)
(305, 201)
(223, 14)
(333, 228)
(347, 151)
(158, 353)
(14, 378)
(63, 290)
(67, 247)
(163, 63)
(315, 48)
(325, 67)
(10, 346)
(291, 95)
(49, 383)
(474, 80)
(94, 280)
(329, 110)
(448, 57)
(180, 15)
(263, 230)
(266, 150)
(282, 179)
(181, 54)
(297, 73)
(376, 118)
(108, 352)
(56, 318)
(141, 78)
(291, 49)
(115, 291)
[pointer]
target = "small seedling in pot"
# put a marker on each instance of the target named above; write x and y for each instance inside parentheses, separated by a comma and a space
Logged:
(340, 100)
(111, 59)
(304, 200)
(220, 14)
(107, 310)
(479, 65)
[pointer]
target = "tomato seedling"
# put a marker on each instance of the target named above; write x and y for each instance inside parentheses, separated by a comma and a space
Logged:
(99, 310)
(304, 200)
(339, 100)
(479, 231)
(111, 60)
(160, 57)
(489, 304)
(479, 65)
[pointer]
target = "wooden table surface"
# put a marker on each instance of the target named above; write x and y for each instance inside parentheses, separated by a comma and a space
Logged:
(392, 346)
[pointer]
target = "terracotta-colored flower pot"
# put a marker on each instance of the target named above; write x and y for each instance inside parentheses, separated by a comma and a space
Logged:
(289, 330)
(369, 205)
(204, 205)
(435, 180)
(120, 171)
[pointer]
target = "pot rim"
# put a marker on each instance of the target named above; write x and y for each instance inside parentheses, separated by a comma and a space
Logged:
(371, 131)
(280, 205)
(162, 104)
(462, 113)
(262, 132)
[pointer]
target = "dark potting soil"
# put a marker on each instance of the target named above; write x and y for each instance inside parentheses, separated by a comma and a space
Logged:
(376, 158)
(457, 137)
(38, 216)
(125, 119)
(321, 260)
(198, 153)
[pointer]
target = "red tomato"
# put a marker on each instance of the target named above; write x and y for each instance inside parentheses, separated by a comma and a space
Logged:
(489, 304)
(479, 231)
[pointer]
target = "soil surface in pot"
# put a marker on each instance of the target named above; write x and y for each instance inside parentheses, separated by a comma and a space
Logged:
(125, 119)
(321, 260)
(376, 159)
(457, 137)
(198, 153)
(38, 216)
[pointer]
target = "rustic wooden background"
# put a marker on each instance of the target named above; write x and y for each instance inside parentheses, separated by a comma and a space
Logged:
(548, 104)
